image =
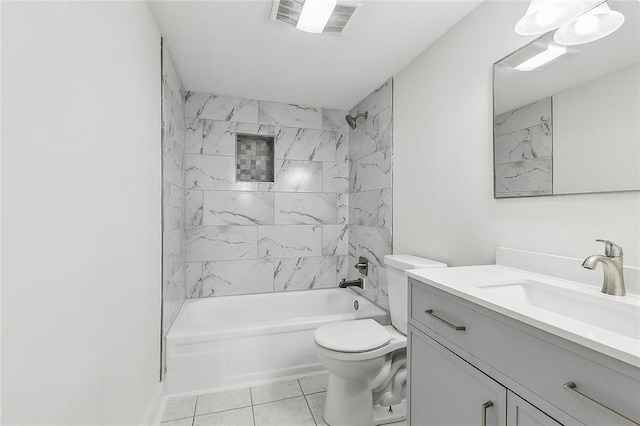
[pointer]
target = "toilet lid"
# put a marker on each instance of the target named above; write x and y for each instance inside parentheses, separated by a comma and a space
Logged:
(352, 336)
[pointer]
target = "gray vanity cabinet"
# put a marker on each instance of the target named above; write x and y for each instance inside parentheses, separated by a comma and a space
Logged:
(521, 413)
(462, 355)
(447, 391)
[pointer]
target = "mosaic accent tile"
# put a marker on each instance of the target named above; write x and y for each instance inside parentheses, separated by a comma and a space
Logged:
(254, 158)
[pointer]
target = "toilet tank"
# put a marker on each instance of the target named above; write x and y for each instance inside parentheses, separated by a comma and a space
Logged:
(398, 284)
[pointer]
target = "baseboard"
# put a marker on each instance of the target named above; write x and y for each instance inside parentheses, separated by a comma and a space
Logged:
(155, 408)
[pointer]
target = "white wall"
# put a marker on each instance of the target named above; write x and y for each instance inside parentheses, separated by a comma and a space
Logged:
(443, 172)
(597, 125)
(81, 212)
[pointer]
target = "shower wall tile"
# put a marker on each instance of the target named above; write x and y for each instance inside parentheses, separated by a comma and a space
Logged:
(173, 207)
(193, 208)
(335, 240)
(193, 280)
(294, 143)
(305, 209)
(378, 100)
(194, 136)
(215, 107)
(289, 241)
(290, 115)
(219, 137)
(524, 117)
(173, 253)
(528, 177)
(371, 208)
(221, 243)
(371, 136)
(222, 278)
(373, 243)
(342, 148)
(296, 176)
(238, 208)
(214, 172)
(371, 172)
(335, 177)
(247, 237)
(172, 162)
(342, 268)
(524, 144)
(305, 273)
(333, 119)
(173, 193)
(343, 208)
(371, 194)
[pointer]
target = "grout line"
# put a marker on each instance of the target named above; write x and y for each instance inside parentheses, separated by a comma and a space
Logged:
(309, 408)
(253, 413)
(278, 400)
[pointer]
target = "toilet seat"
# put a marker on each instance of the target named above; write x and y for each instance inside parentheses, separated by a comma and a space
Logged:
(396, 341)
(352, 336)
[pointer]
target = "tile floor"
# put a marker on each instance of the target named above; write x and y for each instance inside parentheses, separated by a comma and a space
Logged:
(285, 403)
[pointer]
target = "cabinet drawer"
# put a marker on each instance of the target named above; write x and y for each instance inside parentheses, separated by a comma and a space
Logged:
(529, 359)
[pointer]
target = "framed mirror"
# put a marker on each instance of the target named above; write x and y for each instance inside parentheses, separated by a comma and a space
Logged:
(571, 125)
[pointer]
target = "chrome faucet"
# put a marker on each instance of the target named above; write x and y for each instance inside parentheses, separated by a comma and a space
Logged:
(352, 283)
(612, 265)
(363, 267)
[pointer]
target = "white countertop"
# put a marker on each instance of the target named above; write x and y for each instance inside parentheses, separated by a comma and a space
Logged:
(465, 282)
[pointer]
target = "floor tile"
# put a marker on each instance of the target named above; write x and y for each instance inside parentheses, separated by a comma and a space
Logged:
(316, 403)
(288, 412)
(275, 391)
(314, 384)
(179, 408)
(239, 417)
(182, 422)
(222, 401)
(402, 423)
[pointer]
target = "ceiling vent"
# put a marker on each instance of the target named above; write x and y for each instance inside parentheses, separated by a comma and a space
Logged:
(288, 11)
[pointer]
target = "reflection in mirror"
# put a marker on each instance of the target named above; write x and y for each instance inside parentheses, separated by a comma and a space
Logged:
(572, 124)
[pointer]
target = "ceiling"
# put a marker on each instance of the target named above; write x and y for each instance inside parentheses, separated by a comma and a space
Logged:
(233, 48)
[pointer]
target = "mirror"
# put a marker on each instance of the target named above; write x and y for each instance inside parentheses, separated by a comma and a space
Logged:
(572, 125)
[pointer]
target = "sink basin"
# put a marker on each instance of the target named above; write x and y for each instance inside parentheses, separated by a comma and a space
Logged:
(614, 313)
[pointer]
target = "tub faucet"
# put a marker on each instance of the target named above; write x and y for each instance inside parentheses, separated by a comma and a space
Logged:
(612, 265)
(352, 283)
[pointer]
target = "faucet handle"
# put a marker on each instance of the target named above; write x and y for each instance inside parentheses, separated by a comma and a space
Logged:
(611, 249)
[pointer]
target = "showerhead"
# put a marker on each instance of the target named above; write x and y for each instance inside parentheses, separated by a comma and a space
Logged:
(352, 121)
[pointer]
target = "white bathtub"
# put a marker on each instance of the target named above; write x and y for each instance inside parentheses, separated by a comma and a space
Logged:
(228, 341)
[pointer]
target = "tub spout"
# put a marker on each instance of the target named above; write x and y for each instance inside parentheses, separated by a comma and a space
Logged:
(352, 283)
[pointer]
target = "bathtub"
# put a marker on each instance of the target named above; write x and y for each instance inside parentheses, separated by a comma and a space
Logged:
(231, 341)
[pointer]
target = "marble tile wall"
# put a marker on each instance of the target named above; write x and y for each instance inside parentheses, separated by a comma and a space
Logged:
(256, 237)
(370, 190)
(173, 192)
(523, 144)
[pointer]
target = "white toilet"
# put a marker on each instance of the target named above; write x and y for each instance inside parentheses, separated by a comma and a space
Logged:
(367, 362)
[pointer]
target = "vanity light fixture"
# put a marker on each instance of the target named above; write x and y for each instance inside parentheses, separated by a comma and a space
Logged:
(315, 15)
(552, 52)
(593, 25)
(546, 15)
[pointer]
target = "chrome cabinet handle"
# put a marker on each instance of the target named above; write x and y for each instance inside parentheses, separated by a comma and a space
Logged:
(455, 327)
(571, 387)
(484, 412)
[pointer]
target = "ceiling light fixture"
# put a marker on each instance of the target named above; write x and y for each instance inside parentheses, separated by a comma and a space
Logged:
(315, 15)
(546, 15)
(552, 52)
(593, 25)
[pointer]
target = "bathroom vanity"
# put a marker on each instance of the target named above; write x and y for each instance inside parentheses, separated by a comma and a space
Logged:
(494, 345)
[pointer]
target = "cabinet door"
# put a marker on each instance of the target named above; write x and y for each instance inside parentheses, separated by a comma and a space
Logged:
(446, 390)
(521, 413)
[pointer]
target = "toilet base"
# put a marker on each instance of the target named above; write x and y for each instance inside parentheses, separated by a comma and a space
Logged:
(381, 415)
